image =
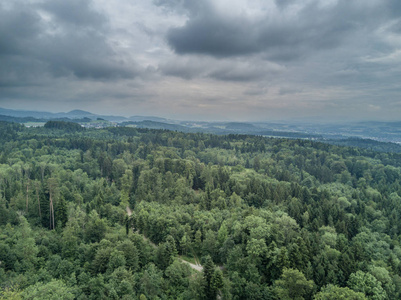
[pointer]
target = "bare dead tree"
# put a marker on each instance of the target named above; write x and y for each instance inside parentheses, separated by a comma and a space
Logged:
(52, 184)
(37, 196)
(27, 173)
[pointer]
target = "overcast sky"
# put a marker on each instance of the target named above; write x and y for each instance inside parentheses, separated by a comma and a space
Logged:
(204, 60)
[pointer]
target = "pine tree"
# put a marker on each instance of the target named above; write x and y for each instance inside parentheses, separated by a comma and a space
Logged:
(208, 272)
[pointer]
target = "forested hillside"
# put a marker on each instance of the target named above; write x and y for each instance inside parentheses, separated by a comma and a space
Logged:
(266, 218)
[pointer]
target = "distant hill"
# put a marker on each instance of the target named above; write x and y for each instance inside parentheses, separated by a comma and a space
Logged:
(241, 126)
(78, 113)
(338, 133)
(147, 118)
(74, 114)
(366, 144)
(41, 120)
(62, 125)
(157, 125)
(20, 119)
(26, 113)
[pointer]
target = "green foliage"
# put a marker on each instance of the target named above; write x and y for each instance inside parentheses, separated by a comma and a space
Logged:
(367, 284)
(211, 278)
(217, 282)
(177, 279)
(12, 293)
(65, 126)
(333, 292)
(95, 228)
(270, 217)
(151, 282)
(54, 289)
(293, 285)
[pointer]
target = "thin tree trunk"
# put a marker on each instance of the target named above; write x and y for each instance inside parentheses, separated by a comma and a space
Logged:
(53, 215)
(51, 212)
(52, 185)
(4, 187)
(37, 196)
(27, 197)
(42, 169)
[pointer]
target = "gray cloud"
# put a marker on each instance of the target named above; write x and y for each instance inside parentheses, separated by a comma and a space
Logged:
(206, 32)
(280, 34)
(205, 59)
(76, 13)
(60, 38)
(229, 69)
(396, 27)
(288, 91)
(16, 27)
(284, 3)
(255, 91)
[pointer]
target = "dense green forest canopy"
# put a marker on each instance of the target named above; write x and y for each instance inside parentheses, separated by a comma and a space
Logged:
(63, 125)
(116, 213)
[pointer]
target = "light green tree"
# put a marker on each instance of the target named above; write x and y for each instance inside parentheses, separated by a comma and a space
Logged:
(333, 292)
(55, 289)
(367, 284)
(293, 285)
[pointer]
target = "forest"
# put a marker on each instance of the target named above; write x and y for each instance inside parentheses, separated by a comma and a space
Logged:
(117, 213)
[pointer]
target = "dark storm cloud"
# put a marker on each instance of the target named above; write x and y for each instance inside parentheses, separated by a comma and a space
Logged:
(16, 27)
(207, 32)
(57, 38)
(281, 34)
(84, 55)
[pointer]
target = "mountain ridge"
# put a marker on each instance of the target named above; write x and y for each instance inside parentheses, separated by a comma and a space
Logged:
(377, 131)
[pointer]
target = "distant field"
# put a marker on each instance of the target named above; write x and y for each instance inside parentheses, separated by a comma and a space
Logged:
(34, 124)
